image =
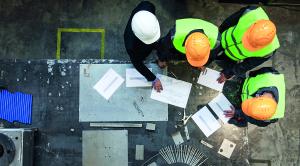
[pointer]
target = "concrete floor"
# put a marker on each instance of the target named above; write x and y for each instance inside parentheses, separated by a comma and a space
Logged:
(28, 31)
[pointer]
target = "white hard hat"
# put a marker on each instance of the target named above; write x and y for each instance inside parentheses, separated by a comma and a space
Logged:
(145, 26)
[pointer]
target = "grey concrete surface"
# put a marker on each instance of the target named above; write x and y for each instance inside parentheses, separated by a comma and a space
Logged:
(28, 31)
(93, 107)
(55, 87)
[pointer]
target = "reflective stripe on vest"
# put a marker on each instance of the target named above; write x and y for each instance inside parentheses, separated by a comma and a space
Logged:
(232, 38)
(253, 84)
(185, 26)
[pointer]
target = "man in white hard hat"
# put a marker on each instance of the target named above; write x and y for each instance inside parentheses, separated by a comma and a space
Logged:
(141, 35)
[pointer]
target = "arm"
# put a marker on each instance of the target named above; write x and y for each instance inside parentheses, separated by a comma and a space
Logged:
(165, 46)
(236, 117)
(233, 19)
(243, 67)
(140, 67)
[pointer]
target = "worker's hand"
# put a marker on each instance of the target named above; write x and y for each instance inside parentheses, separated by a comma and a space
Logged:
(222, 78)
(203, 69)
(229, 113)
(156, 84)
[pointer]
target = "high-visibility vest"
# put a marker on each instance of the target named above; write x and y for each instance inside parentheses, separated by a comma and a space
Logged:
(185, 26)
(253, 84)
(232, 38)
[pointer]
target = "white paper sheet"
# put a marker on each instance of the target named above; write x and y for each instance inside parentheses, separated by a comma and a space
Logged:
(175, 92)
(220, 104)
(135, 79)
(109, 83)
(206, 121)
(209, 79)
(226, 148)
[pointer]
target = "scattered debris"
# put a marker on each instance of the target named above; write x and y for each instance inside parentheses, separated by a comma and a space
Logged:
(150, 126)
(139, 152)
(173, 75)
(206, 144)
(186, 131)
(177, 138)
(63, 73)
(50, 64)
(185, 118)
(137, 107)
(86, 73)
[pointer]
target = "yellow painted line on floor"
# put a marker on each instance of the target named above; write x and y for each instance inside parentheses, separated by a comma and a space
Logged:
(80, 30)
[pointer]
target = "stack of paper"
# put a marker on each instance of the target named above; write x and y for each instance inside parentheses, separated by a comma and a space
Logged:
(175, 92)
(209, 79)
(135, 79)
(109, 83)
(219, 104)
(206, 121)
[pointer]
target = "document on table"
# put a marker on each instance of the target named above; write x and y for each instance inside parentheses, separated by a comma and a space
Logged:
(135, 79)
(209, 79)
(109, 83)
(220, 104)
(175, 92)
(206, 121)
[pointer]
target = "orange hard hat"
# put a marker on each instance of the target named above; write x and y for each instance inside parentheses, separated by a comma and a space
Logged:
(259, 35)
(260, 108)
(197, 49)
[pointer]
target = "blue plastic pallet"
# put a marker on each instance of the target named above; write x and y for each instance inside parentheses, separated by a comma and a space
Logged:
(15, 107)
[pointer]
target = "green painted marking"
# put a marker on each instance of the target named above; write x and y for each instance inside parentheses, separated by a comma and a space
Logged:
(79, 30)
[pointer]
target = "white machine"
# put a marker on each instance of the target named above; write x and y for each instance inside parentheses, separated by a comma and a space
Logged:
(16, 147)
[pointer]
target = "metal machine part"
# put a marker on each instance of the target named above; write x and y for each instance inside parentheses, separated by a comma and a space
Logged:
(7, 150)
(186, 154)
(16, 147)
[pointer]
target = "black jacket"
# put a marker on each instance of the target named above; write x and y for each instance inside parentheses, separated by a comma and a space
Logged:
(249, 63)
(137, 50)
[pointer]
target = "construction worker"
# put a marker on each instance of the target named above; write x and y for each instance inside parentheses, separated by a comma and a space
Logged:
(248, 39)
(193, 39)
(263, 99)
(141, 35)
